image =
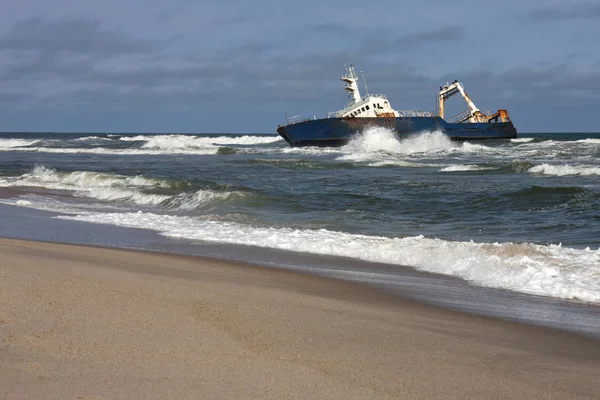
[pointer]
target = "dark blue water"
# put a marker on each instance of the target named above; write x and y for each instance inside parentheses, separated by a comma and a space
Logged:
(516, 214)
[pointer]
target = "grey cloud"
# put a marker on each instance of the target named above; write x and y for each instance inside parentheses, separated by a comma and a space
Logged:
(77, 36)
(447, 34)
(555, 80)
(378, 43)
(257, 77)
(56, 60)
(567, 12)
(232, 20)
(532, 86)
(333, 29)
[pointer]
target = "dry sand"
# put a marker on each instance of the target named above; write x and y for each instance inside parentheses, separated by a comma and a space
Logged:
(89, 323)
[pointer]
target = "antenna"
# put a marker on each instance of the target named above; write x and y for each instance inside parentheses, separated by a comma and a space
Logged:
(287, 121)
(365, 82)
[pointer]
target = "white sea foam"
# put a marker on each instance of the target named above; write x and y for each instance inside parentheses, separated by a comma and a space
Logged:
(154, 145)
(563, 170)
(86, 138)
(588, 141)
(15, 143)
(247, 140)
(403, 164)
(460, 167)
(382, 145)
(122, 152)
(49, 178)
(468, 147)
(178, 142)
(113, 187)
(549, 270)
(137, 138)
(522, 140)
(378, 139)
(307, 150)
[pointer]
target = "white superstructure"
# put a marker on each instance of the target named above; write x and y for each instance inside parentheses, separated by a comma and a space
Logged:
(369, 106)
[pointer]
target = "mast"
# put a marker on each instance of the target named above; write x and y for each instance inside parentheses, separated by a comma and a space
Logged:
(351, 85)
(365, 82)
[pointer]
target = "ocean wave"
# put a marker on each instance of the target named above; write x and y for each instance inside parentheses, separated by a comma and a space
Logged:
(382, 145)
(517, 166)
(152, 145)
(301, 163)
(588, 141)
(380, 139)
(563, 170)
(87, 138)
(122, 152)
(181, 201)
(457, 168)
(112, 187)
(178, 142)
(138, 138)
(549, 270)
(468, 147)
(403, 164)
(522, 140)
(49, 178)
(540, 198)
(16, 143)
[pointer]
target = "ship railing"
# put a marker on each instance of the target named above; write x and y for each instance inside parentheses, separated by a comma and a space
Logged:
(294, 120)
(460, 117)
(333, 114)
(415, 113)
(383, 96)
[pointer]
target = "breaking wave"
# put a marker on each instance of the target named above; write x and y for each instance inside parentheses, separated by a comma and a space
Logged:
(148, 144)
(549, 270)
(87, 138)
(112, 187)
(178, 142)
(589, 141)
(456, 168)
(563, 170)
(381, 144)
(123, 152)
(16, 143)
(522, 140)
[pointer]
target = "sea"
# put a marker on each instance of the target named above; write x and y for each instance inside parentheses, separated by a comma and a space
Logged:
(508, 228)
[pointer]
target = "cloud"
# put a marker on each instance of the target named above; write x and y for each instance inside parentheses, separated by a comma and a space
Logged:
(379, 42)
(217, 68)
(309, 82)
(75, 36)
(567, 12)
(331, 28)
(440, 35)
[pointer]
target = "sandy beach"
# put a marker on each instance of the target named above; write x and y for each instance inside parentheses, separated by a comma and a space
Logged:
(81, 322)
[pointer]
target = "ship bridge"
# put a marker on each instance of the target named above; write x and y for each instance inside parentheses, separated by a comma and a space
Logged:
(369, 106)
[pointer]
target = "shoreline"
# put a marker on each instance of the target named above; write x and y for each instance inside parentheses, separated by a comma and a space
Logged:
(437, 290)
(89, 322)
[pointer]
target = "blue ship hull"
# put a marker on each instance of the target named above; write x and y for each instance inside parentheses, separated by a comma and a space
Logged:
(332, 132)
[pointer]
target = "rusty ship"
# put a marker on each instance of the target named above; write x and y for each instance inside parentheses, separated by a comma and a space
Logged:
(375, 110)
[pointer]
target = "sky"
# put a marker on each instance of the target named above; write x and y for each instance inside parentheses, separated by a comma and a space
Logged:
(227, 66)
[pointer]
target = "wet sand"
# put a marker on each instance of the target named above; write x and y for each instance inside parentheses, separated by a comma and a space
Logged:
(87, 323)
